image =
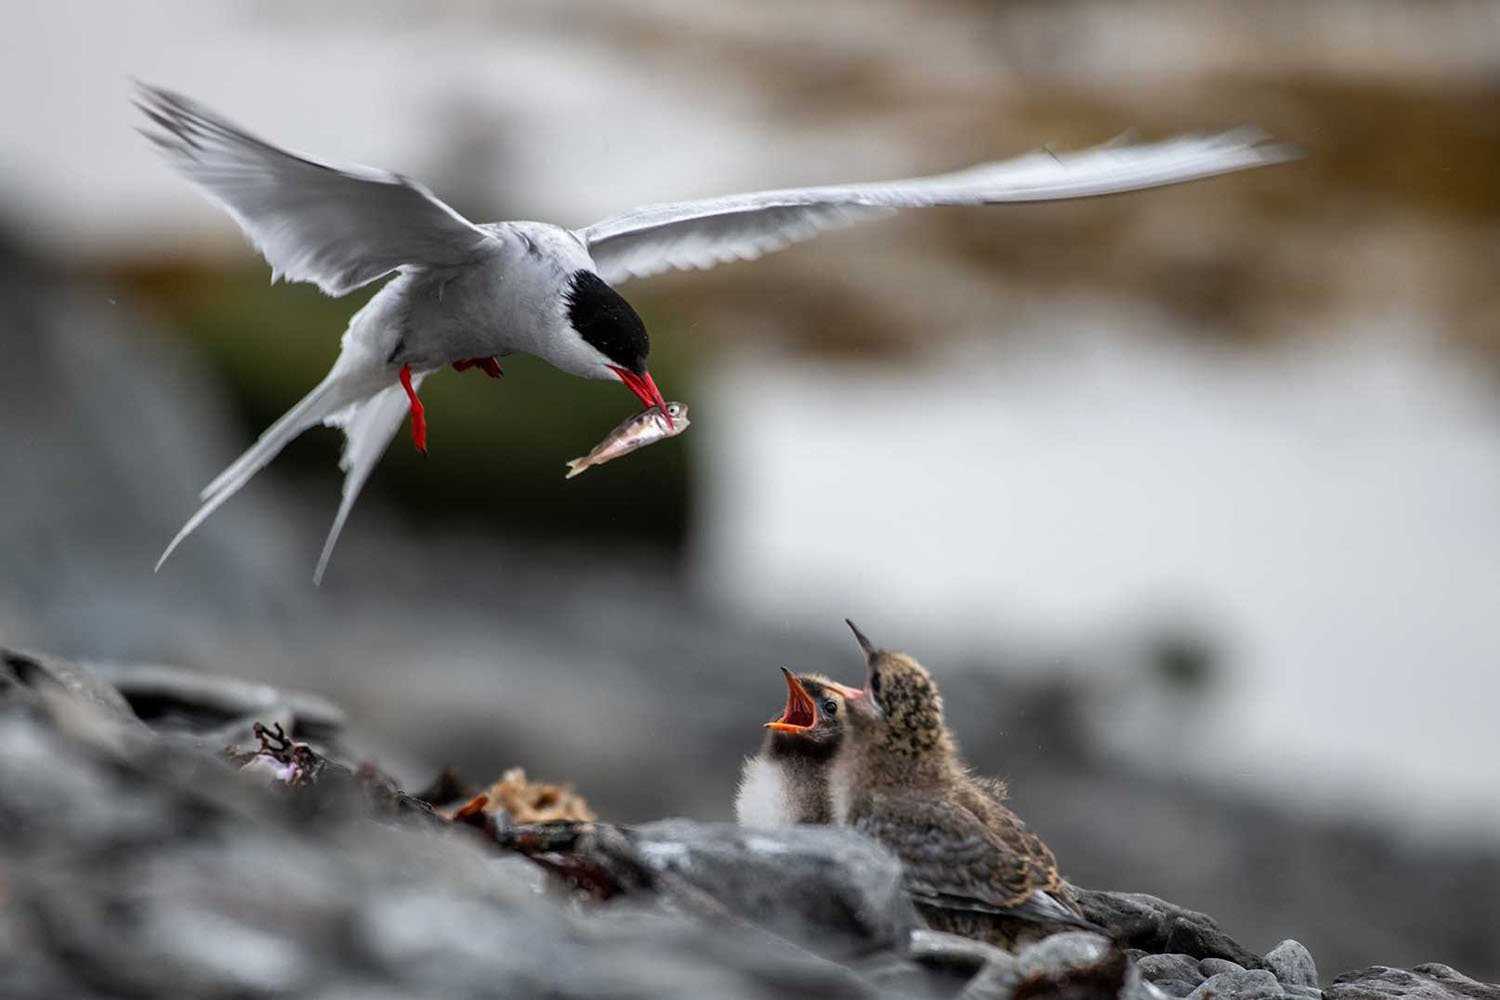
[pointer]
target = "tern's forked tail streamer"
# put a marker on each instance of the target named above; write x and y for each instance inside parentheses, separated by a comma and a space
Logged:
(369, 417)
(368, 428)
(312, 410)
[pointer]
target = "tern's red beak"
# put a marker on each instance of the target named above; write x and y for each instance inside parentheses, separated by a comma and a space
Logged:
(644, 387)
(800, 714)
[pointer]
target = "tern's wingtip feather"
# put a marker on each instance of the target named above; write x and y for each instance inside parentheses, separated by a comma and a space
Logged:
(167, 554)
(1282, 152)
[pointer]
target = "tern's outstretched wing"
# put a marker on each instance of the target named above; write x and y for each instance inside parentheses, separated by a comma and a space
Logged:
(700, 234)
(337, 227)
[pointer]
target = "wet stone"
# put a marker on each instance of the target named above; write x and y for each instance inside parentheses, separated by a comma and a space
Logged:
(1137, 920)
(1162, 968)
(1214, 966)
(1293, 964)
(1246, 984)
(826, 883)
(35, 678)
(1432, 981)
(1076, 964)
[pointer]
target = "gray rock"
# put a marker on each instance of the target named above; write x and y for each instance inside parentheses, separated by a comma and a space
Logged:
(950, 964)
(1137, 988)
(1070, 950)
(1304, 992)
(1292, 964)
(1214, 966)
(1166, 968)
(1424, 982)
(994, 982)
(1080, 965)
(1137, 920)
(1143, 990)
(1245, 984)
(219, 709)
(233, 890)
(821, 884)
(41, 680)
(981, 971)
(961, 955)
(328, 887)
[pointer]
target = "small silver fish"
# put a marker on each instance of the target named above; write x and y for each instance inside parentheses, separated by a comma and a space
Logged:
(637, 431)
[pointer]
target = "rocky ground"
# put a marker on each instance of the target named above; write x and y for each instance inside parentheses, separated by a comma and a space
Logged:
(224, 848)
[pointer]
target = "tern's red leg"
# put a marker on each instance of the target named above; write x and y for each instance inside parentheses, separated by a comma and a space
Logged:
(489, 366)
(418, 414)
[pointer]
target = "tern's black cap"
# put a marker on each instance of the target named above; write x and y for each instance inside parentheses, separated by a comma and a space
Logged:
(607, 323)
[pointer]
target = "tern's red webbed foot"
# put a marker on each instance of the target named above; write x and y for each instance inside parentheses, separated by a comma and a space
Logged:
(489, 366)
(418, 414)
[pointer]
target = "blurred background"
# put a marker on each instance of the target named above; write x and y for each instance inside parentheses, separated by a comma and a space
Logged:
(1188, 497)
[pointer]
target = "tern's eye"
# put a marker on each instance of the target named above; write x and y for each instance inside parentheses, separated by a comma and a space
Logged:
(830, 707)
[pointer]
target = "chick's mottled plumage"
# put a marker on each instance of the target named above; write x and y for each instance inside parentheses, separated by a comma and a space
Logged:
(971, 865)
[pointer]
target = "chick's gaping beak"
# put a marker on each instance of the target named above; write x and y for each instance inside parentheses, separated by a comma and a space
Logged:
(801, 712)
(644, 387)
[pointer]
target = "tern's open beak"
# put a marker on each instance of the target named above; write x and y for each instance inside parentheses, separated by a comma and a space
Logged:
(801, 713)
(644, 387)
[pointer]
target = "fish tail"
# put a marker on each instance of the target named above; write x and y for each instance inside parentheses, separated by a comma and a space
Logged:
(576, 466)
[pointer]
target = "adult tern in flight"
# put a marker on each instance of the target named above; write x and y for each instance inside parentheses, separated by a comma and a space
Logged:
(466, 294)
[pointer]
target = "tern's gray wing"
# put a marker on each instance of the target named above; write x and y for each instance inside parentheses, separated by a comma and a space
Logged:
(700, 234)
(337, 227)
(953, 861)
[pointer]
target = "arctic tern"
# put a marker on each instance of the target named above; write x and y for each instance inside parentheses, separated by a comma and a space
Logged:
(466, 294)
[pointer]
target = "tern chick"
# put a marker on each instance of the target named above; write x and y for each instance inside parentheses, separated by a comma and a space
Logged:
(464, 295)
(972, 866)
(786, 783)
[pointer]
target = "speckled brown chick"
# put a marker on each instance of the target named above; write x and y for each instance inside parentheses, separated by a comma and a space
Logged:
(787, 781)
(971, 865)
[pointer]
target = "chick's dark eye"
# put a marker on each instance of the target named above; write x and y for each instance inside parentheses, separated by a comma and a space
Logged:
(874, 683)
(830, 707)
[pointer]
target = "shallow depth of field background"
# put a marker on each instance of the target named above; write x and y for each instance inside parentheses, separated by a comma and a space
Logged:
(1192, 495)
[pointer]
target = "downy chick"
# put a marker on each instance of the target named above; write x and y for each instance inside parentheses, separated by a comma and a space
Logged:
(787, 781)
(971, 865)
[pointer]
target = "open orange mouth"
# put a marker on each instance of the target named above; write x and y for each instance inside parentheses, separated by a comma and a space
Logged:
(801, 712)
